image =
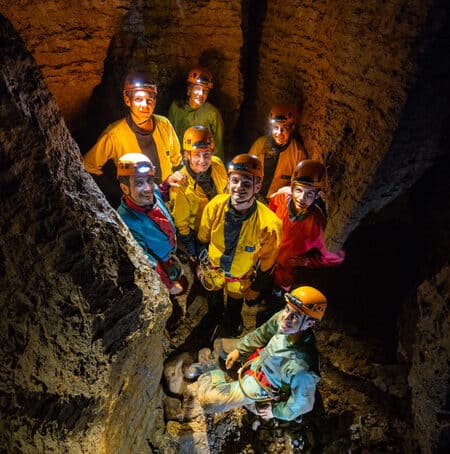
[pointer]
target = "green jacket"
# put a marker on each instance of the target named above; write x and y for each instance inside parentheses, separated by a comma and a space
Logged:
(183, 117)
(292, 367)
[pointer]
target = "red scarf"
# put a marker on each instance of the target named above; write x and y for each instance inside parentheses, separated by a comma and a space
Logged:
(157, 216)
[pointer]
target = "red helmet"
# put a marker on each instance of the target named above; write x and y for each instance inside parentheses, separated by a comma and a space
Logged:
(309, 173)
(137, 80)
(134, 164)
(284, 113)
(246, 164)
(200, 76)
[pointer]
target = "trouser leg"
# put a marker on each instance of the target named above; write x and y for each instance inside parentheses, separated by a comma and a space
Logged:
(215, 305)
(274, 304)
(215, 394)
(232, 317)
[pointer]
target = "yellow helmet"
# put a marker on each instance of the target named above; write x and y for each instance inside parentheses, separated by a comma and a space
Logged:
(200, 76)
(284, 113)
(246, 164)
(309, 173)
(134, 164)
(198, 137)
(308, 300)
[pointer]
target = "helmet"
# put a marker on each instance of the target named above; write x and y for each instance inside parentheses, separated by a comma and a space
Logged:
(284, 113)
(136, 80)
(134, 164)
(200, 76)
(308, 300)
(309, 173)
(246, 164)
(197, 137)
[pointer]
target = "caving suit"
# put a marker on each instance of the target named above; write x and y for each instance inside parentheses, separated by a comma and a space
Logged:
(302, 237)
(287, 366)
(155, 232)
(187, 203)
(237, 241)
(284, 162)
(183, 117)
(123, 136)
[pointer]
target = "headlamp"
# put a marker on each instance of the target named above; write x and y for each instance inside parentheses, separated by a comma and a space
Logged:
(143, 169)
(297, 303)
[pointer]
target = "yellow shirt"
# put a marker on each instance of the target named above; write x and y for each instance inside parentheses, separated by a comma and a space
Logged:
(287, 161)
(187, 203)
(259, 236)
(119, 139)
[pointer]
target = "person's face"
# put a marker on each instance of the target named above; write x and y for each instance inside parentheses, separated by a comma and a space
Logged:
(293, 321)
(142, 104)
(200, 160)
(281, 133)
(141, 189)
(303, 196)
(197, 96)
(242, 189)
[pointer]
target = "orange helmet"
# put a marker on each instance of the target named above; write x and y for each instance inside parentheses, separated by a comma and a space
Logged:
(284, 113)
(134, 164)
(308, 300)
(198, 137)
(200, 76)
(137, 80)
(246, 164)
(309, 173)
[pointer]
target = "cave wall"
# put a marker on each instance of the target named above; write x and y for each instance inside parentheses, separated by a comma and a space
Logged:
(372, 79)
(82, 313)
(69, 41)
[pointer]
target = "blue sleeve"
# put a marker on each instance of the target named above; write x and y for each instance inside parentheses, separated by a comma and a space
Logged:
(301, 399)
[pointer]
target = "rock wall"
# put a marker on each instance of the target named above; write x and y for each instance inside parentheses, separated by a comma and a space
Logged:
(82, 313)
(69, 41)
(372, 79)
(351, 66)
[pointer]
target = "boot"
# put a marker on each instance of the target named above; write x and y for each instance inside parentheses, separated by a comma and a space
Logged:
(197, 369)
(233, 323)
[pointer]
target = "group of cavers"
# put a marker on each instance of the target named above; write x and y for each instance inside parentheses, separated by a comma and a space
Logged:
(246, 229)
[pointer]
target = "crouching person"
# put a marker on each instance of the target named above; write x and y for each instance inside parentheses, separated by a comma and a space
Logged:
(143, 210)
(279, 363)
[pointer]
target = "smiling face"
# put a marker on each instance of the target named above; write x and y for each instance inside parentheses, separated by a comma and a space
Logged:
(281, 133)
(242, 189)
(200, 160)
(197, 96)
(303, 196)
(140, 190)
(293, 322)
(142, 104)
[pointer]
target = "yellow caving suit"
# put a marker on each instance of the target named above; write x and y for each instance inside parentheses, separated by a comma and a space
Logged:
(187, 203)
(118, 139)
(287, 161)
(237, 242)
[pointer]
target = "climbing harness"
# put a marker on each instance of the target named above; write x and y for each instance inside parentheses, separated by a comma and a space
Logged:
(271, 392)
